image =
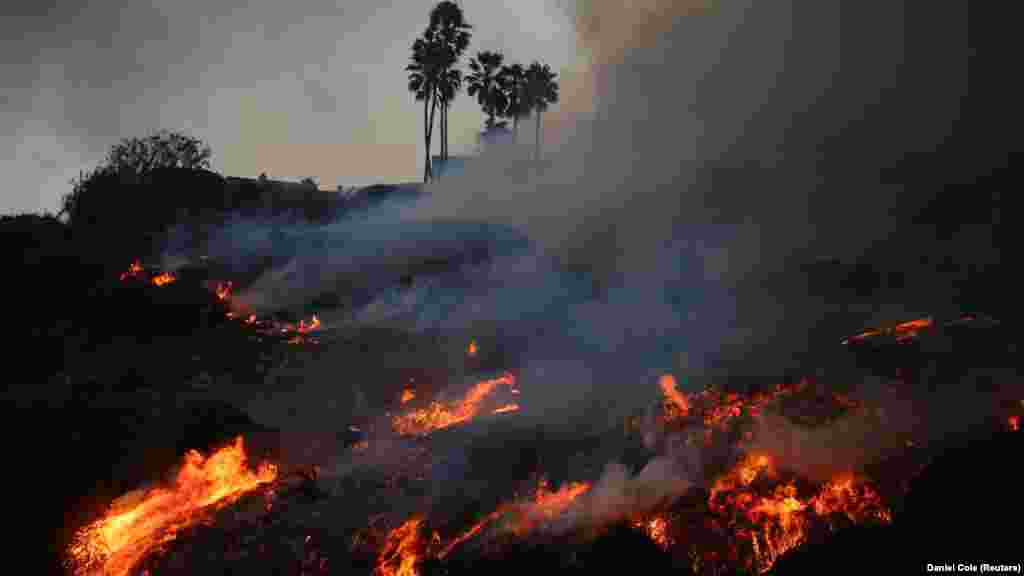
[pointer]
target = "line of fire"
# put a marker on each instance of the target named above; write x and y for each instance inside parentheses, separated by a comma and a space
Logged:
(744, 512)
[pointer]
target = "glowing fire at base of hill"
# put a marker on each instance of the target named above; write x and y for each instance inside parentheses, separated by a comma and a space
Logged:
(406, 547)
(439, 415)
(768, 517)
(141, 522)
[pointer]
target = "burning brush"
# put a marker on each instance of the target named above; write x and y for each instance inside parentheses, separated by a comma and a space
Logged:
(137, 273)
(140, 523)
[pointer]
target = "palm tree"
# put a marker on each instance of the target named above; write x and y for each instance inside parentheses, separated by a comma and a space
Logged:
(425, 67)
(449, 84)
(447, 19)
(484, 83)
(513, 79)
(541, 91)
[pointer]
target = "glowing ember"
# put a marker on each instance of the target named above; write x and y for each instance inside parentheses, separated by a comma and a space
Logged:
(903, 332)
(223, 290)
(407, 395)
(139, 523)
(304, 328)
(134, 271)
(402, 551)
(1013, 423)
(440, 415)
(657, 530)
(471, 350)
(507, 408)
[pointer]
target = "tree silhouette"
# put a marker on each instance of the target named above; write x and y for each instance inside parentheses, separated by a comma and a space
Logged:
(447, 19)
(541, 91)
(134, 158)
(425, 67)
(513, 84)
(484, 83)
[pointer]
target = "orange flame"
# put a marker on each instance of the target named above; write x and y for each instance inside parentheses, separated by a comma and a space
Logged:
(163, 279)
(507, 408)
(674, 399)
(140, 522)
(1013, 423)
(903, 331)
(471, 350)
(656, 529)
(407, 395)
(845, 495)
(440, 415)
(402, 551)
(133, 271)
(223, 290)
(525, 516)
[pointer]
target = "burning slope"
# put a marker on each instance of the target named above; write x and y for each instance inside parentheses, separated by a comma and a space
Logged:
(439, 415)
(767, 516)
(405, 547)
(139, 523)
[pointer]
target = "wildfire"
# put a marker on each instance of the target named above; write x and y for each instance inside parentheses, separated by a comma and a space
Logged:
(856, 500)
(507, 408)
(137, 272)
(402, 551)
(163, 279)
(523, 517)
(774, 521)
(656, 529)
(223, 291)
(140, 522)
(471, 350)
(675, 401)
(407, 395)
(134, 270)
(440, 415)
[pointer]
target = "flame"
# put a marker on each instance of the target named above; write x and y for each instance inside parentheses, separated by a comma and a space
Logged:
(846, 495)
(142, 521)
(776, 521)
(1013, 423)
(163, 279)
(904, 331)
(674, 399)
(656, 529)
(402, 550)
(407, 395)
(223, 290)
(471, 350)
(523, 517)
(440, 415)
(507, 408)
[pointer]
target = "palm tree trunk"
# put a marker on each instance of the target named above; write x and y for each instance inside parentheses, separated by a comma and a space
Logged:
(515, 129)
(426, 139)
(428, 172)
(537, 146)
(444, 131)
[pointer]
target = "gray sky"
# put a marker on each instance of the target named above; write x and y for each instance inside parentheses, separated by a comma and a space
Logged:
(307, 88)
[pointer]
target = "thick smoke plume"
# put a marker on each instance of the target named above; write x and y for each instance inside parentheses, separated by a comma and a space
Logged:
(707, 156)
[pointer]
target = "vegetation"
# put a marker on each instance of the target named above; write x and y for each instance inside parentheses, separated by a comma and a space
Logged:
(503, 91)
(541, 91)
(485, 82)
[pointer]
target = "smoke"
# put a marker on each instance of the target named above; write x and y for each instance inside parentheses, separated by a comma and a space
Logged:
(620, 495)
(704, 158)
(725, 150)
